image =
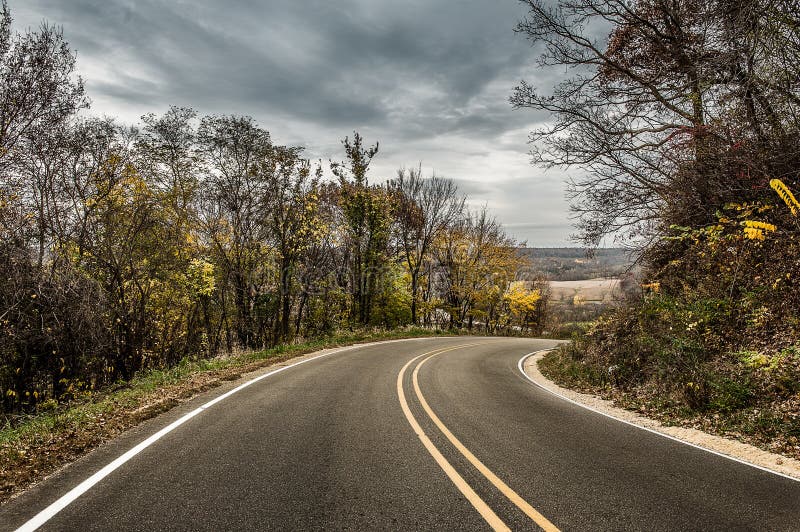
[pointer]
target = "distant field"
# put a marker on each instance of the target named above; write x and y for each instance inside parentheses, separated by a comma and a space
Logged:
(587, 291)
(572, 264)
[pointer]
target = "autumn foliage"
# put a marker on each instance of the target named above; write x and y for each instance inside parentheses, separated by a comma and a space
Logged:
(683, 116)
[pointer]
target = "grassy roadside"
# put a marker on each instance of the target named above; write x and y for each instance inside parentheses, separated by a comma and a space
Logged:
(42, 443)
(766, 420)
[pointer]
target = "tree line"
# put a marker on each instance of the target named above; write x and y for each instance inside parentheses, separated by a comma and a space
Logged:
(124, 248)
(684, 118)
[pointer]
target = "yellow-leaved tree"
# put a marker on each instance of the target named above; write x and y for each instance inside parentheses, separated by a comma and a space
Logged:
(523, 304)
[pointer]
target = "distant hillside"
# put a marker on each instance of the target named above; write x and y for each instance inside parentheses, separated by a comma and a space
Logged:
(572, 264)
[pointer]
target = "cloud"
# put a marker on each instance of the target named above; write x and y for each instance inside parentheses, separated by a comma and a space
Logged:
(429, 79)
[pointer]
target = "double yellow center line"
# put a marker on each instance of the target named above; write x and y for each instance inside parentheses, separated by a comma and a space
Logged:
(480, 505)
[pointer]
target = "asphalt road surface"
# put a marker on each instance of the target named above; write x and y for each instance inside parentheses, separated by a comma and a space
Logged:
(434, 434)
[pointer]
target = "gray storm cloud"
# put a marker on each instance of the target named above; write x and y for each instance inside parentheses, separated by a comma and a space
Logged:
(429, 79)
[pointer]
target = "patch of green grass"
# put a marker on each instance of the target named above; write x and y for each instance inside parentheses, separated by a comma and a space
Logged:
(564, 367)
(568, 330)
(43, 425)
(728, 395)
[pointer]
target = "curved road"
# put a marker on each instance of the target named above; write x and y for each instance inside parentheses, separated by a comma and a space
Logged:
(434, 434)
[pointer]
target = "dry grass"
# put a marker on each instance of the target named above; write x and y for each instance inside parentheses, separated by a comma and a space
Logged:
(589, 291)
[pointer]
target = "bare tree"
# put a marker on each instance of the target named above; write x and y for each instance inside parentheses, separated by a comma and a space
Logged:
(236, 196)
(167, 151)
(39, 95)
(653, 109)
(38, 88)
(425, 208)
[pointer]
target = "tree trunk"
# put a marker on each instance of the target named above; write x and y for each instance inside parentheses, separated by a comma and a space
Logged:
(414, 290)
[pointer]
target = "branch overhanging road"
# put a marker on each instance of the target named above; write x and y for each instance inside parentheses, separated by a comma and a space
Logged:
(435, 434)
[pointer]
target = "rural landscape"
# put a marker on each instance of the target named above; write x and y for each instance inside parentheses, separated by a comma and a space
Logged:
(318, 274)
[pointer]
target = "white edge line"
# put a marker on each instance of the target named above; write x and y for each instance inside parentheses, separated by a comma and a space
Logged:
(520, 366)
(65, 500)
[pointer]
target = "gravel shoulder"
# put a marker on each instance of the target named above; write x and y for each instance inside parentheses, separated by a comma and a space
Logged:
(731, 448)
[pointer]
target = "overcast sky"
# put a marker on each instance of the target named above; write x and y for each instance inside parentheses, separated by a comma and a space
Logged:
(429, 79)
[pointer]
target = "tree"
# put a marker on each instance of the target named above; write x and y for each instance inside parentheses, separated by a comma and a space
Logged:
(292, 215)
(167, 151)
(425, 208)
(324, 305)
(124, 254)
(38, 89)
(367, 217)
(661, 111)
(523, 304)
(235, 200)
(477, 262)
(166, 155)
(39, 96)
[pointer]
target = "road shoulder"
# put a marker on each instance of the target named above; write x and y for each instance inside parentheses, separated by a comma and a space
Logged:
(731, 448)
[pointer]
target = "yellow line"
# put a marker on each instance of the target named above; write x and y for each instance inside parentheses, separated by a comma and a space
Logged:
(491, 518)
(538, 518)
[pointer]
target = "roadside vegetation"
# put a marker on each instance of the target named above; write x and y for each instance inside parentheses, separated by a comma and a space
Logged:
(683, 117)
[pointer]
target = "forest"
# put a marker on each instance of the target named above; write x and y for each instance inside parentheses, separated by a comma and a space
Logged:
(130, 247)
(683, 117)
